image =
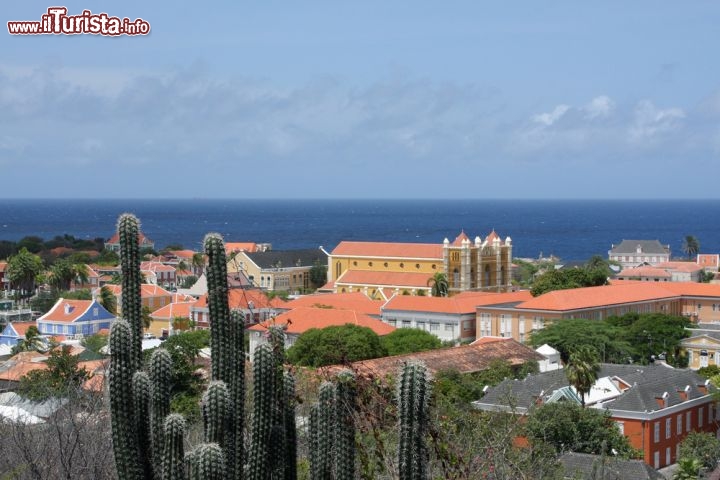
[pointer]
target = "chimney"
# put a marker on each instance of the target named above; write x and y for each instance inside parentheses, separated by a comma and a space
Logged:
(684, 393)
(662, 400)
(703, 387)
(539, 398)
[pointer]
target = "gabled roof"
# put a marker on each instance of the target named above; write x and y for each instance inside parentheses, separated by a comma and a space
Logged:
(288, 258)
(644, 271)
(156, 267)
(430, 251)
(584, 466)
(390, 279)
(464, 359)
(680, 266)
(356, 301)
(492, 236)
(146, 290)
(243, 298)
(68, 311)
(172, 310)
(184, 254)
(300, 320)
(652, 247)
(18, 328)
(640, 385)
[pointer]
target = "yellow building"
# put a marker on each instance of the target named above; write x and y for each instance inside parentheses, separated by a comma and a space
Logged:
(287, 270)
(703, 346)
(382, 269)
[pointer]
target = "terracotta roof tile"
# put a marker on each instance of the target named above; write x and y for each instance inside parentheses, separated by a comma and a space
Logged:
(389, 250)
(299, 320)
(464, 303)
(390, 279)
(465, 358)
(356, 301)
(67, 310)
(240, 247)
(172, 310)
(644, 271)
(459, 239)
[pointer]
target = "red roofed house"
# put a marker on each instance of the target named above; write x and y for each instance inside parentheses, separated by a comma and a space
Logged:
(709, 262)
(302, 319)
(75, 318)
(253, 303)
(152, 296)
(516, 319)
(113, 243)
(158, 273)
(164, 318)
(14, 332)
(381, 269)
(448, 318)
(355, 301)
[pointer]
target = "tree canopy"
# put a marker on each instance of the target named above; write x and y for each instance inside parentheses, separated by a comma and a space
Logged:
(62, 377)
(594, 273)
(22, 269)
(691, 246)
(582, 370)
(701, 446)
(409, 340)
(632, 336)
(439, 285)
(335, 345)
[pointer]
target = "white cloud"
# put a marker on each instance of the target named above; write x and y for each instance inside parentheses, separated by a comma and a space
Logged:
(551, 117)
(651, 123)
(599, 107)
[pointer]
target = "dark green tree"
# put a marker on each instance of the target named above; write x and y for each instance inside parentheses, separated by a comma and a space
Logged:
(582, 370)
(318, 274)
(439, 285)
(22, 270)
(64, 272)
(691, 246)
(62, 377)
(33, 341)
(335, 345)
(568, 335)
(409, 340)
(108, 299)
(702, 446)
(571, 428)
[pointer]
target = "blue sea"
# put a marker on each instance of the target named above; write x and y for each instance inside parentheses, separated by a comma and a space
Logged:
(570, 229)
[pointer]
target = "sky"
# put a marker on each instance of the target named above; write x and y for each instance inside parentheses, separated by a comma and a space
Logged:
(371, 99)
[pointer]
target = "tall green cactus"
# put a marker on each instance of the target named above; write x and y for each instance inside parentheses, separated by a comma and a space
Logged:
(215, 409)
(264, 386)
(220, 327)
(160, 375)
(413, 396)
(208, 462)
(141, 410)
(322, 420)
(237, 394)
(124, 433)
(173, 457)
(290, 462)
(128, 228)
(345, 426)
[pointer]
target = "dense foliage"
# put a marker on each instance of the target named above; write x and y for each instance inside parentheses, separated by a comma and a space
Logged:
(701, 446)
(631, 337)
(335, 345)
(62, 377)
(409, 340)
(571, 428)
(594, 273)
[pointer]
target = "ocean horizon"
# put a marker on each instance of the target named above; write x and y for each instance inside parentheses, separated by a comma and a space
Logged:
(569, 229)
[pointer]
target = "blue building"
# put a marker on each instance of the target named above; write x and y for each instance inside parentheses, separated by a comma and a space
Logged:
(74, 318)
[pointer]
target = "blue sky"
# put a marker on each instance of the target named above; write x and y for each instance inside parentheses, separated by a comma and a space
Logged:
(366, 99)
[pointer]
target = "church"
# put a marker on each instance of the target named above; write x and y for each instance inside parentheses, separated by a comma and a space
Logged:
(384, 269)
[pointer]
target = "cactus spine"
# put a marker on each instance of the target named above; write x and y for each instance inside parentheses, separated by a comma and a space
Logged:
(208, 462)
(173, 458)
(141, 406)
(322, 420)
(160, 374)
(237, 393)
(345, 426)
(124, 433)
(264, 380)
(129, 230)
(215, 407)
(412, 397)
(290, 427)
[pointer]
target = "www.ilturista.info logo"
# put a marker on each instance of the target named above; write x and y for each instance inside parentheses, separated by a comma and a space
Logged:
(57, 22)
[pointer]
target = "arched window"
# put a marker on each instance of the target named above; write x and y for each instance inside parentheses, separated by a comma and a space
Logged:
(486, 280)
(456, 278)
(503, 280)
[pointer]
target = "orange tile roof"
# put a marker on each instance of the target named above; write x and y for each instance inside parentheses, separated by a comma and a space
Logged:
(492, 236)
(75, 309)
(465, 303)
(459, 239)
(589, 297)
(115, 239)
(704, 259)
(182, 253)
(391, 279)
(465, 358)
(3, 266)
(172, 310)
(299, 320)
(240, 247)
(240, 298)
(20, 369)
(156, 267)
(22, 327)
(644, 271)
(389, 250)
(680, 266)
(693, 289)
(356, 301)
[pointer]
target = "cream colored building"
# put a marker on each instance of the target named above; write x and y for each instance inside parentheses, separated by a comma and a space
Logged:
(287, 270)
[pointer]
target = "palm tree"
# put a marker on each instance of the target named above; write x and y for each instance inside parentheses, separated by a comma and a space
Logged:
(691, 246)
(198, 263)
(22, 269)
(439, 285)
(32, 341)
(582, 370)
(64, 272)
(108, 300)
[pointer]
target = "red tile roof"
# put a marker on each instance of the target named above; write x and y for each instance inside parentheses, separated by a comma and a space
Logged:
(356, 301)
(680, 266)
(492, 236)
(185, 254)
(172, 310)
(156, 267)
(299, 320)
(464, 303)
(389, 250)
(704, 259)
(390, 279)
(240, 298)
(465, 358)
(459, 239)
(22, 327)
(644, 271)
(240, 247)
(67, 311)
